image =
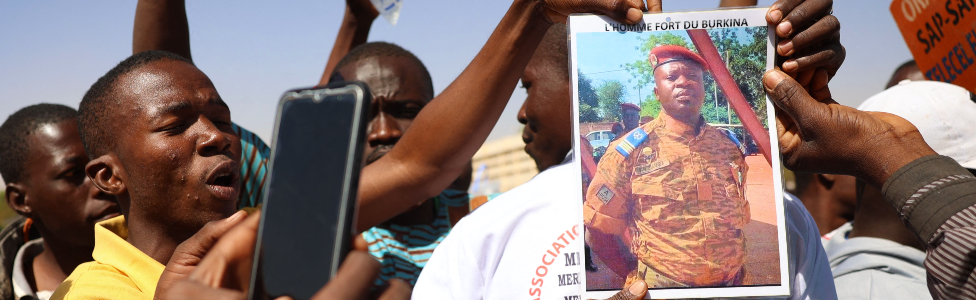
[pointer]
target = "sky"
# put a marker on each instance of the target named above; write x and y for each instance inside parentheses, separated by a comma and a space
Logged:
(601, 57)
(253, 51)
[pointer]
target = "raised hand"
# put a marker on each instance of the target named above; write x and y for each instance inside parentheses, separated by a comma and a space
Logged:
(810, 35)
(362, 9)
(826, 137)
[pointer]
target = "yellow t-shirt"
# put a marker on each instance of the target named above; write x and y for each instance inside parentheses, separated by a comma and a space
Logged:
(120, 271)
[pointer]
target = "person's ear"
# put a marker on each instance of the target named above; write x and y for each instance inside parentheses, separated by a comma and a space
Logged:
(826, 180)
(17, 199)
(107, 174)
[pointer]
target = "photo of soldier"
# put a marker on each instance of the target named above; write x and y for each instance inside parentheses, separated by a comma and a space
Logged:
(671, 200)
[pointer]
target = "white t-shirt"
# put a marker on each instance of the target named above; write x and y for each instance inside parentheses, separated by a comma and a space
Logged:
(525, 244)
(22, 288)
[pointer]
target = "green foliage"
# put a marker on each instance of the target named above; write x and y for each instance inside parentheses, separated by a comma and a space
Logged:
(610, 94)
(641, 69)
(744, 57)
(650, 106)
(589, 102)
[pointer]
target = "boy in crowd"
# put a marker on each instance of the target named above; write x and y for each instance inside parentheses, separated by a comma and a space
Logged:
(173, 169)
(42, 161)
(162, 25)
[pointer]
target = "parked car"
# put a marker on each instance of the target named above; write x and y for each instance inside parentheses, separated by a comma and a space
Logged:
(600, 140)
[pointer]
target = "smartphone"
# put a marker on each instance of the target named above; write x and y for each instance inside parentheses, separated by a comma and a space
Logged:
(307, 221)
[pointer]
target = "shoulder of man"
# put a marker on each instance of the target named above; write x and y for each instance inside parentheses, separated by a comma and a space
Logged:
(93, 280)
(713, 135)
(478, 255)
(626, 145)
(541, 191)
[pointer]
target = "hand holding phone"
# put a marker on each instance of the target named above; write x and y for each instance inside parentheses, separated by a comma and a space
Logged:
(310, 199)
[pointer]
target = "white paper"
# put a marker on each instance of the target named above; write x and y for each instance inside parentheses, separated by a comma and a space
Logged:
(389, 9)
(605, 51)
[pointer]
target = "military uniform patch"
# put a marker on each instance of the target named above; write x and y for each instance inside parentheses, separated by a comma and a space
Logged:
(605, 194)
(631, 141)
(647, 154)
(651, 167)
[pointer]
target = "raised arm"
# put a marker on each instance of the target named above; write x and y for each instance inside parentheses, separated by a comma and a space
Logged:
(353, 32)
(449, 130)
(161, 25)
(735, 3)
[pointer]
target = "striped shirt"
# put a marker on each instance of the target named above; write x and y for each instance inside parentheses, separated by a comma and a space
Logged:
(403, 250)
(936, 198)
(254, 167)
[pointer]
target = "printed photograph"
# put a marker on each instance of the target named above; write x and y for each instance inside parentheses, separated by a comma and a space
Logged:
(677, 167)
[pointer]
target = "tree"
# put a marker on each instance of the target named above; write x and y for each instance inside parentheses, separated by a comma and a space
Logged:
(588, 101)
(641, 69)
(611, 95)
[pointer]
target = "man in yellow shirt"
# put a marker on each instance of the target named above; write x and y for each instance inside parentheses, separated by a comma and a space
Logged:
(173, 164)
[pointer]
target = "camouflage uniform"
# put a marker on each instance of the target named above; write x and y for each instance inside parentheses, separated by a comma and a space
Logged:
(682, 198)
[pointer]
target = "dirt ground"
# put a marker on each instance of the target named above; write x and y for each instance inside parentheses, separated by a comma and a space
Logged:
(762, 254)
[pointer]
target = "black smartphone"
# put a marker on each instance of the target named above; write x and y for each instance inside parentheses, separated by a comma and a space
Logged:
(307, 221)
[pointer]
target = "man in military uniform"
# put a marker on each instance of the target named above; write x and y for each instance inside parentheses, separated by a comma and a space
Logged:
(673, 189)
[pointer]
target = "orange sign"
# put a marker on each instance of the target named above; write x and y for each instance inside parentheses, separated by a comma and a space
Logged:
(942, 37)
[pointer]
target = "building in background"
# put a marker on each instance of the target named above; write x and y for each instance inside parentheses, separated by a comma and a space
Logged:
(501, 165)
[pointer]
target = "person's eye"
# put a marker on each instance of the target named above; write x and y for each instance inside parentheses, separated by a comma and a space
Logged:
(173, 128)
(407, 113)
(176, 127)
(75, 175)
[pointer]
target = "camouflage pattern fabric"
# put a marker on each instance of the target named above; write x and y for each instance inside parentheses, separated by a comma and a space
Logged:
(681, 198)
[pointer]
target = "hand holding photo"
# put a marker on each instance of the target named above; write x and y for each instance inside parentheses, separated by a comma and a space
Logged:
(679, 189)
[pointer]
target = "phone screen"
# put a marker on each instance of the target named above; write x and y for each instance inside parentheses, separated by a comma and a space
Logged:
(309, 206)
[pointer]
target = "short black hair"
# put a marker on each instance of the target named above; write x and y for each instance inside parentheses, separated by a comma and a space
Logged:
(101, 100)
(899, 73)
(384, 49)
(15, 130)
(554, 47)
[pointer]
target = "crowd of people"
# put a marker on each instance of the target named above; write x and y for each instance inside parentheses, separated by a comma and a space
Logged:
(149, 190)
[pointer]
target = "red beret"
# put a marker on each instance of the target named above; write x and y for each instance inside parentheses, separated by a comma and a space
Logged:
(629, 105)
(671, 53)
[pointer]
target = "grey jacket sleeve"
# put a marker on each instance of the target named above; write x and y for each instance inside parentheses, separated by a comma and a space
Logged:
(936, 198)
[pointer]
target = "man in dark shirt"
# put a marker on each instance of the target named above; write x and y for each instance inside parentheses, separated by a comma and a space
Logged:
(42, 162)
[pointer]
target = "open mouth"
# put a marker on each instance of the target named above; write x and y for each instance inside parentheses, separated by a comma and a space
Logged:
(224, 181)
